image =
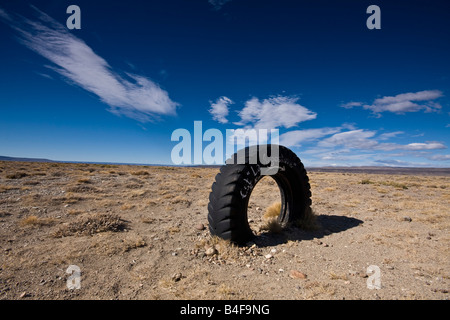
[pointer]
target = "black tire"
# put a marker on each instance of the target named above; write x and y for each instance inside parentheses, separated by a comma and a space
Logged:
(228, 200)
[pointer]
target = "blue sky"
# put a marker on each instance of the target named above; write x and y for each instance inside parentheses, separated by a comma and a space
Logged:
(115, 90)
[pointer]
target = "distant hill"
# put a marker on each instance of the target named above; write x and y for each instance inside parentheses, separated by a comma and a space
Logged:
(384, 170)
(3, 158)
(362, 169)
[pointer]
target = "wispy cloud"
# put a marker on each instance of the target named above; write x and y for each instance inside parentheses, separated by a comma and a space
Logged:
(218, 4)
(296, 137)
(399, 163)
(219, 109)
(365, 140)
(274, 112)
(402, 103)
(351, 104)
(368, 147)
(132, 95)
(440, 157)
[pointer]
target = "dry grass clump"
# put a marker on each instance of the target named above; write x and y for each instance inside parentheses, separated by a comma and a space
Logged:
(309, 221)
(394, 184)
(16, 175)
(223, 248)
(81, 189)
(34, 221)
(4, 188)
(134, 244)
(140, 173)
(273, 211)
(225, 292)
(180, 199)
(4, 214)
(367, 181)
(272, 225)
(270, 218)
(92, 225)
(84, 180)
(127, 206)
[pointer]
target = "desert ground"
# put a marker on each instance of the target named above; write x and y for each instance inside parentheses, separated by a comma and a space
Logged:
(141, 232)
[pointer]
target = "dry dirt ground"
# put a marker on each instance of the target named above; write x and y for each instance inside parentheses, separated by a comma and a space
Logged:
(140, 232)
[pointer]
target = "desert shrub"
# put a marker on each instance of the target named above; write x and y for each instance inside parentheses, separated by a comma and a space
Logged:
(92, 225)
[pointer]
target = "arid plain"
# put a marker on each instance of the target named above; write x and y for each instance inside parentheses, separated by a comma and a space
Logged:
(141, 232)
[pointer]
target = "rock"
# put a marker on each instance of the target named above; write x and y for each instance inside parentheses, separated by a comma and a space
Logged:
(210, 252)
(407, 219)
(200, 227)
(295, 274)
(24, 295)
(268, 256)
(177, 277)
(352, 272)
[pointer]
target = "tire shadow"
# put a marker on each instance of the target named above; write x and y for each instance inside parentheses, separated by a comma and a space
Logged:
(327, 224)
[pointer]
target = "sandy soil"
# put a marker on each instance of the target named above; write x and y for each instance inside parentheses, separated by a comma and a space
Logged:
(141, 233)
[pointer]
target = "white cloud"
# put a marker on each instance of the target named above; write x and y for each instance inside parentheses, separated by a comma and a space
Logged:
(359, 139)
(131, 95)
(423, 146)
(402, 103)
(296, 137)
(219, 109)
(274, 112)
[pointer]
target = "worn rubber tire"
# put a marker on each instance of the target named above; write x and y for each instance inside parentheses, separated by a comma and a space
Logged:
(228, 200)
